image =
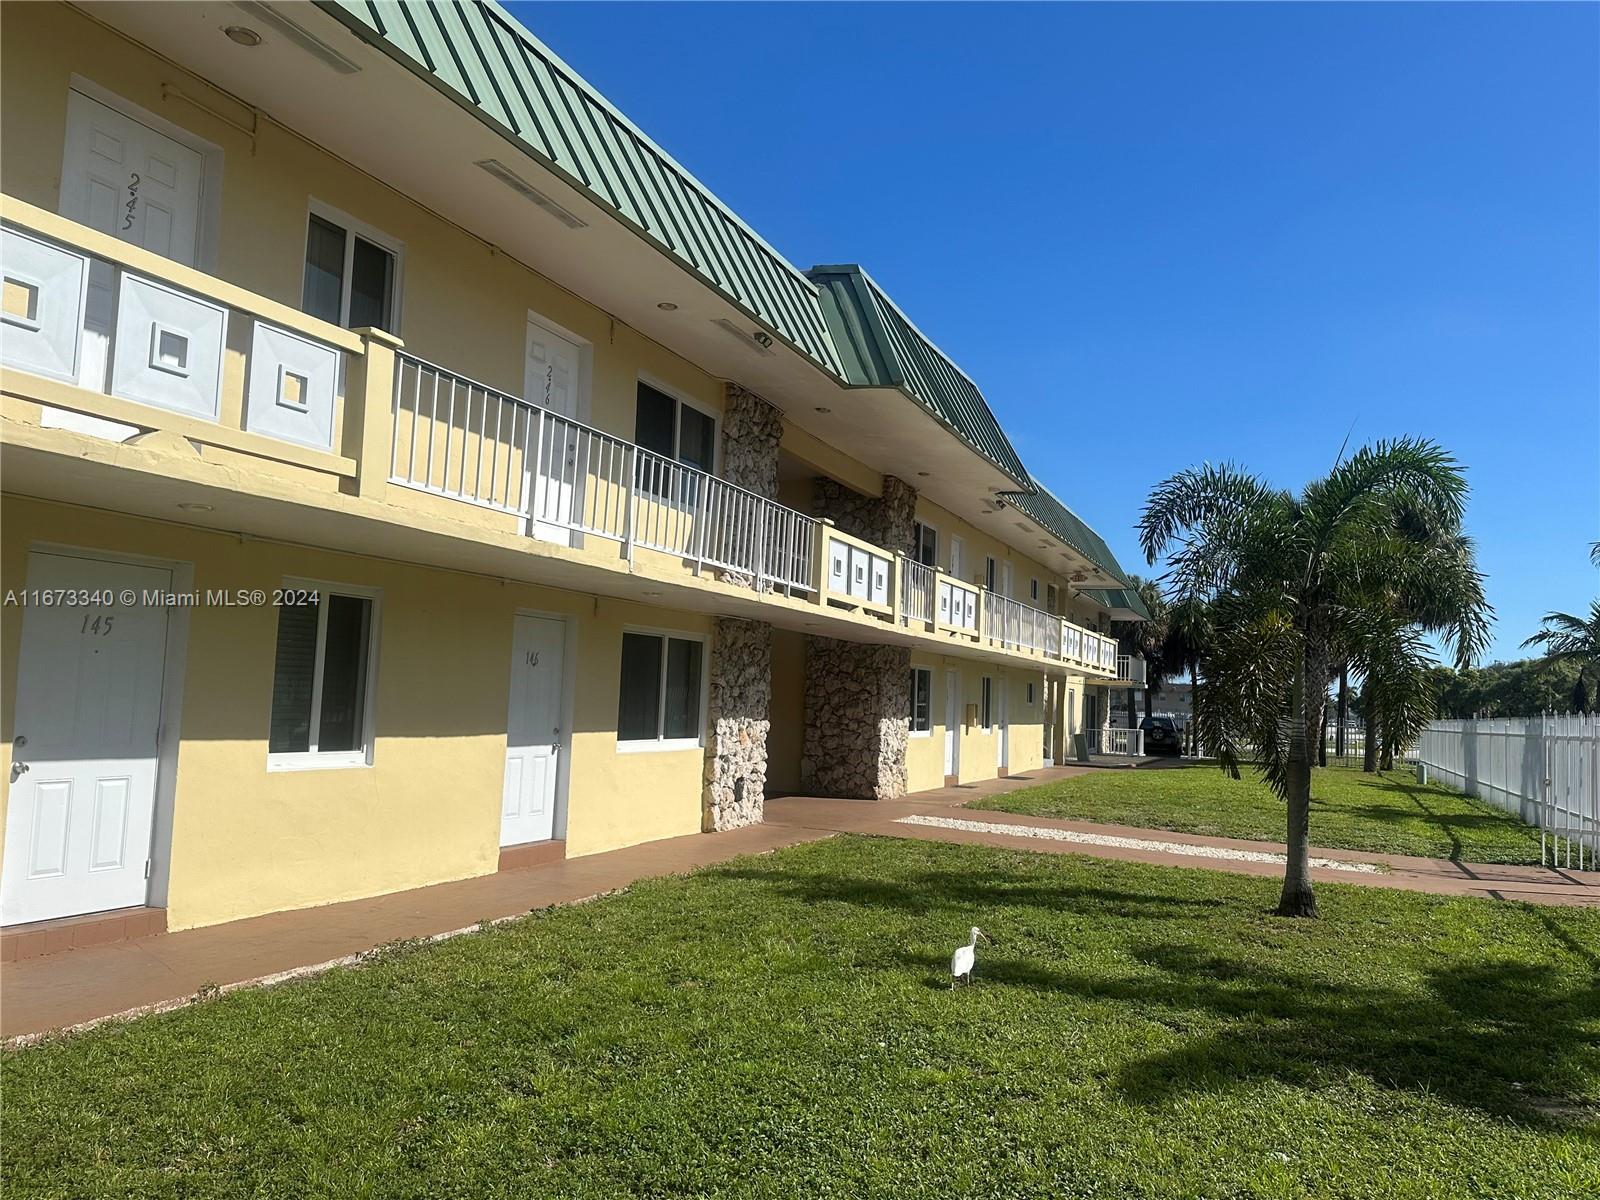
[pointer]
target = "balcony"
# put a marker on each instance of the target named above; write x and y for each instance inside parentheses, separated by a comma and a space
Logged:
(103, 337)
(1131, 670)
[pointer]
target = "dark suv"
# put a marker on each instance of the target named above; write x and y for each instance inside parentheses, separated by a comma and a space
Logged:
(1161, 736)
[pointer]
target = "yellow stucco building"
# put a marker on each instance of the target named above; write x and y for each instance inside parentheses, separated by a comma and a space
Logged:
(410, 471)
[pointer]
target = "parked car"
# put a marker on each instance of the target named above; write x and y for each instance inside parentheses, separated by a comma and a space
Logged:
(1161, 736)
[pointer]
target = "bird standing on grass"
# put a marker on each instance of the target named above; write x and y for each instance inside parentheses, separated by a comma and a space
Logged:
(965, 957)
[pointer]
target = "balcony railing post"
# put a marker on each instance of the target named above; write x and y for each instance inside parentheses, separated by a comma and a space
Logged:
(759, 548)
(627, 512)
(702, 507)
(536, 475)
(369, 411)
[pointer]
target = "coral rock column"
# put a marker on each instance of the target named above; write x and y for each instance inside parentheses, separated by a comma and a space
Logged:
(737, 723)
(858, 696)
(740, 684)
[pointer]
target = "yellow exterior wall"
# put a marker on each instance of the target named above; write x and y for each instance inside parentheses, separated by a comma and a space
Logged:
(980, 748)
(246, 840)
(464, 304)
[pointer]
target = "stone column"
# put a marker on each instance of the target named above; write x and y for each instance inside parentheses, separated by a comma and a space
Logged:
(751, 432)
(885, 520)
(858, 695)
(737, 723)
(740, 686)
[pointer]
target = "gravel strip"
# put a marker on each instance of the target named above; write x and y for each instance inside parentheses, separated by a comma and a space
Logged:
(1129, 843)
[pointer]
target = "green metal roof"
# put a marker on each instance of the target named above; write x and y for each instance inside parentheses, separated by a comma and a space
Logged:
(1065, 524)
(1117, 598)
(880, 347)
(480, 56)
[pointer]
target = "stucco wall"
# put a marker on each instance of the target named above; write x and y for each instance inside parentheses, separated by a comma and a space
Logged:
(246, 840)
(464, 303)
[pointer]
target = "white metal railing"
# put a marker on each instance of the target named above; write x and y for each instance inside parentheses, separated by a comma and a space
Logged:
(1019, 626)
(1106, 740)
(916, 592)
(1545, 770)
(459, 438)
(1130, 668)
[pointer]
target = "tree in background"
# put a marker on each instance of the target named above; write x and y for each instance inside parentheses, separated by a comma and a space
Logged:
(1146, 639)
(1294, 585)
(1515, 689)
(1567, 638)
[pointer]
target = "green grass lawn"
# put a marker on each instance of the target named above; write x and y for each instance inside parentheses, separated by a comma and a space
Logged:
(782, 1027)
(1390, 812)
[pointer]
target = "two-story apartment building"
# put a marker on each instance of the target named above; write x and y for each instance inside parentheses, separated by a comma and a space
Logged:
(411, 471)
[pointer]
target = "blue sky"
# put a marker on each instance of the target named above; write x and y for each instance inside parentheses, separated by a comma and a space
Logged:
(1198, 232)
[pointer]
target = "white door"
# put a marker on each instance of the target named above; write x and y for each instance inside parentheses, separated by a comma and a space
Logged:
(533, 731)
(551, 377)
(1004, 717)
(1005, 580)
(952, 723)
(122, 177)
(88, 713)
(955, 557)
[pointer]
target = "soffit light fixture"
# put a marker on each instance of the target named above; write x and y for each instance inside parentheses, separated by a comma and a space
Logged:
(243, 35)
(667, 306)
(758, 341)
(298, 34)
(527, 191)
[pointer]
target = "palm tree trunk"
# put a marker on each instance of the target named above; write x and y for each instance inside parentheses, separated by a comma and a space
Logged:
(1322, 737)
(1344, 707)
(1148, 699)
(1298, 900)
(1369, 751)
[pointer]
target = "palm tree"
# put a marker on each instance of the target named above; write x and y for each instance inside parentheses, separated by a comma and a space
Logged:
(1295, 585)
(1569, 638)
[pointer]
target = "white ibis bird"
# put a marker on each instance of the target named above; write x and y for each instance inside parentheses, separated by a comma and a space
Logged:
(965, 957)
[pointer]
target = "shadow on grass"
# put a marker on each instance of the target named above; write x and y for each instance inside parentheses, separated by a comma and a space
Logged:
(1513, 1040)
(1412, 801)
(932, 891)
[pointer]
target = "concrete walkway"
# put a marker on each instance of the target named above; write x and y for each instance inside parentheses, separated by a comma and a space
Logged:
(76, 987)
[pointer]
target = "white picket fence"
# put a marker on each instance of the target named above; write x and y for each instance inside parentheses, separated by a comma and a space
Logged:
(1545, 770)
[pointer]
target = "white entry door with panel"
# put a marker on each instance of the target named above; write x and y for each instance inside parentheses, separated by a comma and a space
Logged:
(552, 377)
(88, 715)
(123, 177)
(952, 723)
(1003, 719)
(534, 731)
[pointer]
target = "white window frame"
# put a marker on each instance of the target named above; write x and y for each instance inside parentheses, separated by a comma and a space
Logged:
(913, 731)
(1030, 695)
(678, 394)
(352, 226)
(1033, 591)
(991, 573)
(986, 704)
(322, 760)
(917, 526)
(650, 745)
(1052, 599)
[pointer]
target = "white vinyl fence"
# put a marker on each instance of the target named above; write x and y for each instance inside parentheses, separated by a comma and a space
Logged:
(1545, 770)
